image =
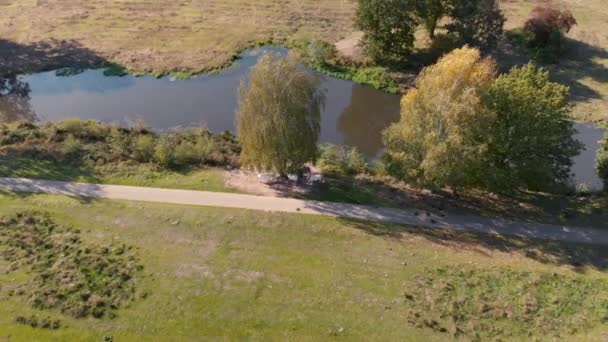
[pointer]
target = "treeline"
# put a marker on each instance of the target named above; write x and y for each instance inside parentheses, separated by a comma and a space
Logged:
(390, 26)
(462, 126)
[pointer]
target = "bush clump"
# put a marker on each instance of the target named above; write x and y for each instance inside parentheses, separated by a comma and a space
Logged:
(100, 144)
(76, 278)
(143, 148)
(342, 161)
(546, 30)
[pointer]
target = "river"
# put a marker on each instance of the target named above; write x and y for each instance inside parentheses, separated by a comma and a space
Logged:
(354, 115)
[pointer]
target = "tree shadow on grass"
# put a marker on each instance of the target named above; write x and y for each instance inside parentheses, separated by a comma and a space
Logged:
(41, 164)
(16, 58)
(579, 62)
(29, 190)
(580, 257)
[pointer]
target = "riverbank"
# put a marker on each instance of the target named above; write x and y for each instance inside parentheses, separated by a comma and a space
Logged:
(194, 159)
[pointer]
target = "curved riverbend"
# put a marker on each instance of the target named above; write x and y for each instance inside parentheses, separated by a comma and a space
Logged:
(354, 115)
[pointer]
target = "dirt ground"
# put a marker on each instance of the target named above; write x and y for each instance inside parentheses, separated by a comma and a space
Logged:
(248, 182)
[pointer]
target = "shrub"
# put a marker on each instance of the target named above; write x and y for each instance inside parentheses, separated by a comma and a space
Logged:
(602, 162)
(88, 130)
(204, 147)
(547, 27)
(186, 154)
(71, 145)
(341, 161)
(319, 52)
(163, 153)
(377, 77)
(143, 148)
(119, 143)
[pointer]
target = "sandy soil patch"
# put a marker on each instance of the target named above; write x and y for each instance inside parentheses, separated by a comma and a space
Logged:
(248, 182)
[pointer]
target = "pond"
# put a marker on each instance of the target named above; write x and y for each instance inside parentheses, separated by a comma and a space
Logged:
(354, 115)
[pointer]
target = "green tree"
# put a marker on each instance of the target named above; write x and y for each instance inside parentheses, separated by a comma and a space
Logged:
(531, 142)
(477, 22)
(436, 142)
(389, 27)
(430, 12)
(278, 120)
(602, 162)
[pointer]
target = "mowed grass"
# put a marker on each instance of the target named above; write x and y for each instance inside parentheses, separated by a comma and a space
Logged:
(236, 274)
(585, 66)
(146, 175)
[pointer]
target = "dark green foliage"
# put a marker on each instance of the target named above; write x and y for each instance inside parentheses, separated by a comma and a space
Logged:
(602, 162)
(389, 27)
(476, 22)
(490, 305)
(70, 275)
(341, 161)
(531, 141)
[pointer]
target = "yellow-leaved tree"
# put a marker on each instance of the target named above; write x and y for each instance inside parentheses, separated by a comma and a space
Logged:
(436, 142)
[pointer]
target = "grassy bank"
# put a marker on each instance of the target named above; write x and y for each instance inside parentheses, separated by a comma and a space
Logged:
(191, 159)
(211, 273)
(91, 152)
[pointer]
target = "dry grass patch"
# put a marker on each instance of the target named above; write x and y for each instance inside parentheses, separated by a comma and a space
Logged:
(141, 34)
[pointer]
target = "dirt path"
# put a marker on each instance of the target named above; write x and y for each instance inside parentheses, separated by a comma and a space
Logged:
(400, 216)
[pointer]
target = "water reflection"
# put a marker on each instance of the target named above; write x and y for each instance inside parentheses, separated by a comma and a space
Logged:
(367, 115)
(15, 100)
(77, 80)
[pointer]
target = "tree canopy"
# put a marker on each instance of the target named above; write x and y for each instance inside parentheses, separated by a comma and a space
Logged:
(389, 27)
(435, 142)
(477, 22)
(531, 142)
(463, 127)
(278, 120)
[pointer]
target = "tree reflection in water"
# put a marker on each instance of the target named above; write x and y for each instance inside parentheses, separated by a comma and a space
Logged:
(15, 100)
(368, 114)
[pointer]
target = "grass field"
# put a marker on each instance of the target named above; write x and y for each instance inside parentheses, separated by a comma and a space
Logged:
(162, 36)
(190, 36)
(585, 66)
(147, 175)
(238, 274)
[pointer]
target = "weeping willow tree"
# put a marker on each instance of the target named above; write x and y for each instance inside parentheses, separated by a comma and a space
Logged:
(278, 120)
